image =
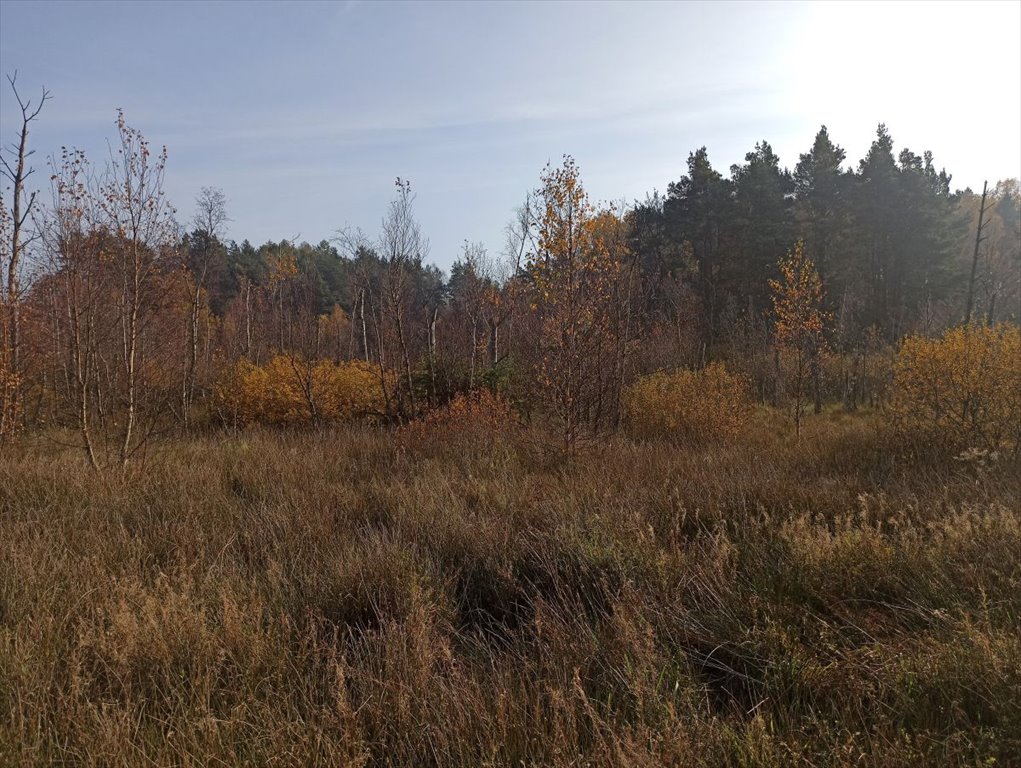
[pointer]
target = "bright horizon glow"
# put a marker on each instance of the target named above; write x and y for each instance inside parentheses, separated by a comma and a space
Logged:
(304, 113)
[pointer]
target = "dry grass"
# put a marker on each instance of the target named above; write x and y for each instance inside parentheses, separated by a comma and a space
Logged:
(328, 599)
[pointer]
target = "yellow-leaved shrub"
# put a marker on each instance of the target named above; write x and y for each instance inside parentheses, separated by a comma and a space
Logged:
(349, 390)
(288, 391)
(960, 391)
(707, 405)
(234, 393)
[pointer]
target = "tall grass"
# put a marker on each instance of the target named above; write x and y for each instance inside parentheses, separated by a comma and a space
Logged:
(333, 599)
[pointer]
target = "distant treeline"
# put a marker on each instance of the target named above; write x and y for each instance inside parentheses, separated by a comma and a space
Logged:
(891, 241)
(126, 317)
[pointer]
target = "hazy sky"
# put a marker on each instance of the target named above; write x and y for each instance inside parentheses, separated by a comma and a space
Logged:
(304, 113)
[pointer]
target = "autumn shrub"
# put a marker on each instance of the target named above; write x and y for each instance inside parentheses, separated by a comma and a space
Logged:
(708, 405)
(348, 390)
(961, 391)
(289, 391)
(235, 393)
(470, 421)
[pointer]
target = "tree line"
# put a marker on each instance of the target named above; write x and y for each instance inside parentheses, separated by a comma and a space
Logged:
(118, 322)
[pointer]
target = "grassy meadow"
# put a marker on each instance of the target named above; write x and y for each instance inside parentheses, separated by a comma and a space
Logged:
(346, 597)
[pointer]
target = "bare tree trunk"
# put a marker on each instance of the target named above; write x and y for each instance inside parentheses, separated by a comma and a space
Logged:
(191, 363)
(494, 342)
(474, 351)
(622, 344)
(798, 385)
(351, 349)
(397, 312)
(365, 330)
(778, 375)
(248, 319)
(974, 258)
(388, 395)
(130, 358)
(816, 369)
(431, 342)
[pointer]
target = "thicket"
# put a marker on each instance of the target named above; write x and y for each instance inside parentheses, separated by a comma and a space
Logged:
(961, 391)
(290, 391)
(690, 406)
(476, 423)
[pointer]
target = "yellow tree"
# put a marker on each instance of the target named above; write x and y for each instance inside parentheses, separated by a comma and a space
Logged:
(799, 320)
(572, 274)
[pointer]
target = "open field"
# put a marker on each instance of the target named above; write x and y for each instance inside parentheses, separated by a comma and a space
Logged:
(270, 598)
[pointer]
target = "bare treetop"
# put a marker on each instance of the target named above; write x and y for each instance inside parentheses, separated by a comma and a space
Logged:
(211, 212)
(401, 241)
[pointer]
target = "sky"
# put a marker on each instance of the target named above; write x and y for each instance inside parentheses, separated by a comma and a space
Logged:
(305, 113)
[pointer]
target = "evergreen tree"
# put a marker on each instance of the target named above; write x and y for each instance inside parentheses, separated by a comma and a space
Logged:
(697, 209)
(879, 225)
(822, 208)
(762, 226)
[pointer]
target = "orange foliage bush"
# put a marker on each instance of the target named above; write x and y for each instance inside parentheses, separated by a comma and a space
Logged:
(470, 421)
(707, 405)
(288, 390)
(961, 391)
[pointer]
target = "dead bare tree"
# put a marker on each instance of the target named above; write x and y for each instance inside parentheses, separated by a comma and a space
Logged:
(502, 299)
(402, 247)
(471, 298)
(974, 260)
(355, 246)
(367, 307)
(519, 236)
(210, 222)
(16, 239)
